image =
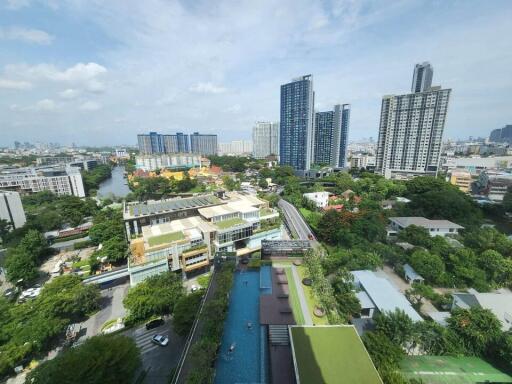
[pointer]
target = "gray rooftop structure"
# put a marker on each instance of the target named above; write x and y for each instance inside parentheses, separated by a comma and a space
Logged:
(411, 275)
(170, 205)
(423, 222)
(385, 296)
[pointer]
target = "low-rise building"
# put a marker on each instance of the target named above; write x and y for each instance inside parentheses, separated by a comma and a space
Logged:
(11, 209)
(377, 295)
(185, 234)
(320, 199)
(434, 227)
(462, 179)
(169, 160)
(500, 304)
(494, 184)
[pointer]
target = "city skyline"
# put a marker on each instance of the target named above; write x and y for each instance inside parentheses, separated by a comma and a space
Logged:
(73, 72)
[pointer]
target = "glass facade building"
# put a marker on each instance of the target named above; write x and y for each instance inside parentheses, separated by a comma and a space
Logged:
(297, 124)
(157, 143)
(331, 136)
(203, 144)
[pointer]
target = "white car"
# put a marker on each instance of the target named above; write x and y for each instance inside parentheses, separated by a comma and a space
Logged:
(160, 340)
(194, 288)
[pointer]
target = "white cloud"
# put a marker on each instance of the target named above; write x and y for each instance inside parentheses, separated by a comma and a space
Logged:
(90, 106)
(81, 77)
(45, 105)
(207, 88)
(27, 35)
(69, 93)
(14, 84)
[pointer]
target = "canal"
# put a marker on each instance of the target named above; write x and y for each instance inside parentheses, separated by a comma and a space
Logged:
(114, 186)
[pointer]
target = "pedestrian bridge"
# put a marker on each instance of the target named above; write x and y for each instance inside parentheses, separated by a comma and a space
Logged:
(107, 277)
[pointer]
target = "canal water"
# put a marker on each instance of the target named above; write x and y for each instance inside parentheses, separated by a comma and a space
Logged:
(116, 185)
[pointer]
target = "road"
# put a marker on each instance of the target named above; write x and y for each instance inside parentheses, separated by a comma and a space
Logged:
(111, 307)
(157, 361)
(297, 223)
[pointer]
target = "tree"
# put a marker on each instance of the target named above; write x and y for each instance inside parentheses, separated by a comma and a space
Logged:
(434, 339)
(36, 245)
(416, 235)
(185, 312)
(99, 360)
(5, 227)
(20, 265)
(262, 183)
(156, 295)
(230, 184)
(476, 328)
(114, 249)
(347, 302)
(384, 353)
(397, 326)
(430, 266)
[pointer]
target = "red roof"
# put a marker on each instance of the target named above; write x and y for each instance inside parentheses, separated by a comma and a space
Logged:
(337, 207)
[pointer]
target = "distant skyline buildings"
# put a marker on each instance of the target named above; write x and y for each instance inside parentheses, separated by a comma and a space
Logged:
(236, 147)
(265, 138)
(331, 136)
(296, 135)
(156, 143)
(203, 144)
(501, 135)
(411, 130)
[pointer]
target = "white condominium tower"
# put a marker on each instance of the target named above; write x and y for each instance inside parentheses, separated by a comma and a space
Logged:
(265, 139)
(411, 129)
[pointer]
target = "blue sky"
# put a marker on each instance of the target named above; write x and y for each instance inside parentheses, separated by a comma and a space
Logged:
(99, 72)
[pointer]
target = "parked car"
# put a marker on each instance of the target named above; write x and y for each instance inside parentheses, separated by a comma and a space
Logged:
(160, 340)
(194, 288)
(154, 323)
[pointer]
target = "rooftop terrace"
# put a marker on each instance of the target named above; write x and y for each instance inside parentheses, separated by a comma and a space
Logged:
(226, 224)
(165, 238)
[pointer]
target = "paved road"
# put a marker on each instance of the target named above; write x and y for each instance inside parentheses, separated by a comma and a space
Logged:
(302, 298)
(157, 361)
(62, 245)
(296, 221)
(111, 308)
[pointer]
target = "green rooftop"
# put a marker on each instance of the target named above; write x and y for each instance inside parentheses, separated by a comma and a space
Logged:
(266, 212)
(451, 370)
(225, 224)
(165, 238)
(332, 354)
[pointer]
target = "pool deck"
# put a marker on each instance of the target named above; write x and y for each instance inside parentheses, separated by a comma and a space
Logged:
(275, 309)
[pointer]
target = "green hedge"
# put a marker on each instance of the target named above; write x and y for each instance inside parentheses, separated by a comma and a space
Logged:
(83, 244)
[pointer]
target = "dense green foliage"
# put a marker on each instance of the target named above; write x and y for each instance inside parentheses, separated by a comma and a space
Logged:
(161, 187)
(22, 261)
(154, 296)
(185, 312)
(46, 211)
(235, 163)
(93, 178)
(204, 351)
(31, 328)
(108, 230)
(109, 359)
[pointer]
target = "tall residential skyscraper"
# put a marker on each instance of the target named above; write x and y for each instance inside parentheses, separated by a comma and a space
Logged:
(411, 132)
(178, 143)
(296, 135)
(203, 144)
(158, 143)
(265, 139)
(331, 136)
(151, 143)
(422, 77)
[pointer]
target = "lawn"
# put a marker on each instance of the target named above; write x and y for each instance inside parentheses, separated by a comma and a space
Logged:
(332, 354)
(165, 238)
(294, 298)
(225, 224)
(310, 298)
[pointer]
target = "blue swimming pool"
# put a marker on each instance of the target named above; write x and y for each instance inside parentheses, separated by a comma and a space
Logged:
(247, 363)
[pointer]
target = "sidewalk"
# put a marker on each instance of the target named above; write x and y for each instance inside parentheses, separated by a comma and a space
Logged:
(302, 298)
